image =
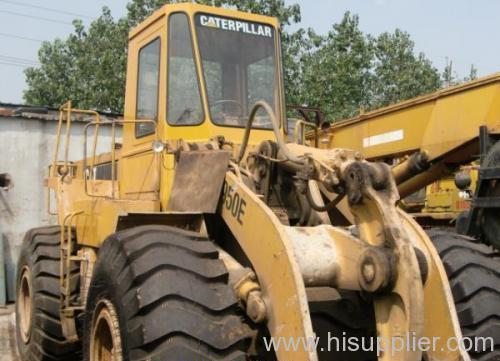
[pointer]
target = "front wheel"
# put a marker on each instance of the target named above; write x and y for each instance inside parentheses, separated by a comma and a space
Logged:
(473, 273)
(159, 293)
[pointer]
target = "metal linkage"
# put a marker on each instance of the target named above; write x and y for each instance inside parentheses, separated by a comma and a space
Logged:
(385, 260)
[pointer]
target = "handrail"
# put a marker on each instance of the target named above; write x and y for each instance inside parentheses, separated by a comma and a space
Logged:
(58, 141)
(300, 127)
(113, 123)
(66, 108)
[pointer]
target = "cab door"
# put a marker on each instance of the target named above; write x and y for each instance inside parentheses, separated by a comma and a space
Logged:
(185, 113)
(140, 168)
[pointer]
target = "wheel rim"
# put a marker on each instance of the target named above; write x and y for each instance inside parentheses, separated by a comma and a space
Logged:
(25, 304)
(105, 344)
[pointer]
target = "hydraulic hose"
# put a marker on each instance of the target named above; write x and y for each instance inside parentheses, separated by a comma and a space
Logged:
(322, 208)
(276, 128)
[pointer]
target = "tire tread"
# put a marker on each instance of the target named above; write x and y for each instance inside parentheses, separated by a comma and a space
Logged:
(175, 296)
(474, 279)
(41, 252)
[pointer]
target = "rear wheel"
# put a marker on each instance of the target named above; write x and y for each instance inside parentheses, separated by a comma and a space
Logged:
(160, 293)
(39, 330)
(473, 272)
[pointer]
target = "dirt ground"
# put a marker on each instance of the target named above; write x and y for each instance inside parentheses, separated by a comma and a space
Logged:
(8, 351)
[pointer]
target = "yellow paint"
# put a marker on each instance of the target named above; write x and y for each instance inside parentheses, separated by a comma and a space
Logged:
(100, 217)
(145, 179)
(156, 26)
(438, 123)
(279, 276)
(440, 318)
(444, 197)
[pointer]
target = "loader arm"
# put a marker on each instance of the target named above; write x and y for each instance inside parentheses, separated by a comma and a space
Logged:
(391, 258)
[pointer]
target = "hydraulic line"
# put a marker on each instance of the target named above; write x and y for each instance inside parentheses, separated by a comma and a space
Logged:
(279, 138)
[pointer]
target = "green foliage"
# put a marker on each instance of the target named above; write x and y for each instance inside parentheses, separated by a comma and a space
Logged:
(343, 72)
(347, 71)
(89, 66)
(295, 48)
(399, 73)
(451, 78)
(138, 10)
(336, 71)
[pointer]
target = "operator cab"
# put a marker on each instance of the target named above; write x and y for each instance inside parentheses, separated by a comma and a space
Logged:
(204, 68)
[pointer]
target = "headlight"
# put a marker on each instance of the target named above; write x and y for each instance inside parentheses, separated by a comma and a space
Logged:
(157, 146)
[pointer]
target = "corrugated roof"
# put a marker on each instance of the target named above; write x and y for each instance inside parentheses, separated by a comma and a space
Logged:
(42, 113)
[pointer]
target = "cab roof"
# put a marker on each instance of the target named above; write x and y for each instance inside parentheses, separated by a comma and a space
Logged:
(191, 8)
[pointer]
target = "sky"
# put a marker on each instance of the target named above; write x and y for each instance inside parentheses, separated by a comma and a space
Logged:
(463, 31)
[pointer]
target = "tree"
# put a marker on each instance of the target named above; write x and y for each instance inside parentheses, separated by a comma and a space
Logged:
(296, 47)
(343, 72)
(347, 71)
(399, 73)
(138, 10)
(450, 78)
(472, 74)
(336, 70)
(89, 66)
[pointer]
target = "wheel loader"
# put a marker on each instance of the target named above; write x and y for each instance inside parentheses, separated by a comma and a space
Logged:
(204, 235)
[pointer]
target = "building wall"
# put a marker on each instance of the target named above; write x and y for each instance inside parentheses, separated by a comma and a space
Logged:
(26, 150)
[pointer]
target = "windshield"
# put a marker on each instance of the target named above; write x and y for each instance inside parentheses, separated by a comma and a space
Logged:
(239, 67)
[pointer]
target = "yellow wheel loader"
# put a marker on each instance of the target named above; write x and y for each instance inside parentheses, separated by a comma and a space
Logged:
(203, 235)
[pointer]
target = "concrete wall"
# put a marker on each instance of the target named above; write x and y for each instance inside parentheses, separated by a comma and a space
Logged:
(26, 150)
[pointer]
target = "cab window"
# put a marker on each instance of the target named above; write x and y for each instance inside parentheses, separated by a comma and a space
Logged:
(184, 98)
(147, 87)
(239, 67)
(103, 171)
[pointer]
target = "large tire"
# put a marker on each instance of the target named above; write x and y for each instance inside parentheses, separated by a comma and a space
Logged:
(166, 296)
(474, 276)
(345, 317)
(490, 220)
(39, 331)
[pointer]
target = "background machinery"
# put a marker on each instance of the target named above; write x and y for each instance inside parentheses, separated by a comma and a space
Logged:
(204, 234)
(436, 136)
